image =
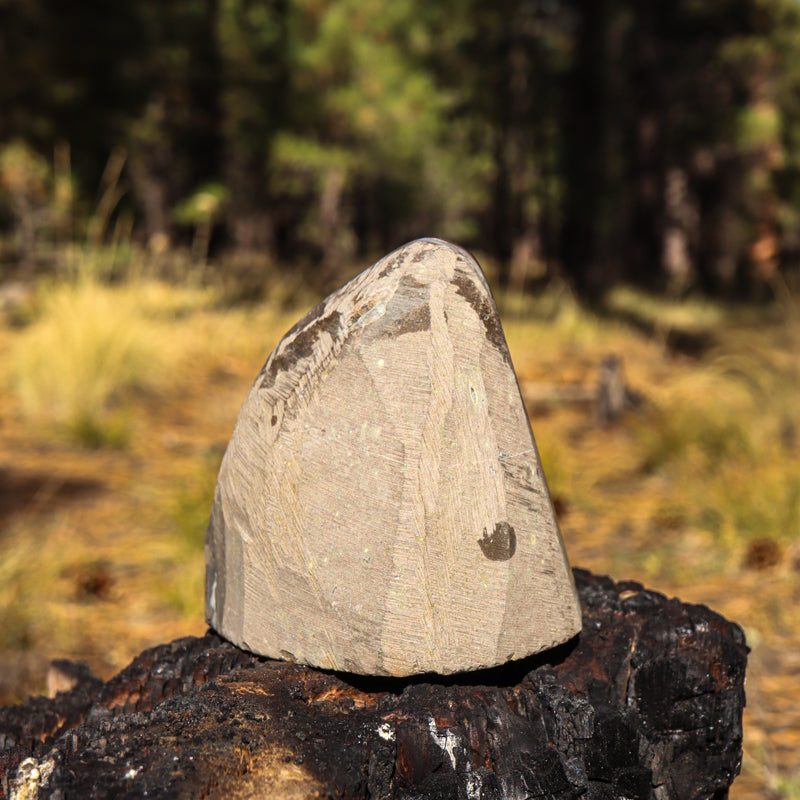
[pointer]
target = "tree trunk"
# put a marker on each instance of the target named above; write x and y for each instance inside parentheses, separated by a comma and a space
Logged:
(646, 231)
(249, 220)
(337, 240)
(645, 703)
(584, 245)
(150, 163)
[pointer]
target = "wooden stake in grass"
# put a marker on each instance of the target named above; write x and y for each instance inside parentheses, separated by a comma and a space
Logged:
(381, 507)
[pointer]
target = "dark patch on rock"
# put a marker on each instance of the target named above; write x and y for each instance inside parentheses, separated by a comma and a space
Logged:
(390, 266)
(299, 343)
(417, 320)
(420, 256)
(485, 310)
(410, 282)
(500, 544)
(408, 310)
(315, 313)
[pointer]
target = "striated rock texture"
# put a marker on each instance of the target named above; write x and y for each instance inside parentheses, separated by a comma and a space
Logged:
(381, 507)
(645, 703)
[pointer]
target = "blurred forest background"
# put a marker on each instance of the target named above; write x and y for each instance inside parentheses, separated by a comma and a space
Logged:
(652, 142)
(180, 181)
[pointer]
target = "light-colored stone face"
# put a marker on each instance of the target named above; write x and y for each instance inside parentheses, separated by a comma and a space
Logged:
(381, 507)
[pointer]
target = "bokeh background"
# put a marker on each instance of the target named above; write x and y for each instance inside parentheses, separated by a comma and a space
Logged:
(180, 181)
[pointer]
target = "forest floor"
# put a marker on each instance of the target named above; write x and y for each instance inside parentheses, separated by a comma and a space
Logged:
(105, 490)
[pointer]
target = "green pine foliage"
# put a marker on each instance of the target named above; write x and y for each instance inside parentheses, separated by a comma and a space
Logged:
(656, 144)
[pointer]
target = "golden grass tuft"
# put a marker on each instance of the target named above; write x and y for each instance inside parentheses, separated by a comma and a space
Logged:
(89, 351)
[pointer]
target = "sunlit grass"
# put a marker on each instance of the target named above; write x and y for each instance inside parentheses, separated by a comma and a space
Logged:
(780, 784)
(681, 313)
(90, 348)
(671, 495)
(724, 436)
(19, 576)
(552, 317)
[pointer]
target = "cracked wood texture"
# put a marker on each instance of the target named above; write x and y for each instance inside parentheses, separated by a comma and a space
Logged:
(381, 507)
(645, 703)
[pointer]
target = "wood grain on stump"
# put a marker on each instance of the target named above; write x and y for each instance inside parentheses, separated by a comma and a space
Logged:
(646, 702)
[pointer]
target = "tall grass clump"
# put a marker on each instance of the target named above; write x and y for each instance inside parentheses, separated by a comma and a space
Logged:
(724, 443)
(90, 346)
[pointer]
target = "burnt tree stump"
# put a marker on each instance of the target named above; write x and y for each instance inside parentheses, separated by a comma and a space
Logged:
(646, 702)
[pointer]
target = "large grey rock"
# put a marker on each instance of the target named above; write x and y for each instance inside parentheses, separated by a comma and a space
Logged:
(381, 507)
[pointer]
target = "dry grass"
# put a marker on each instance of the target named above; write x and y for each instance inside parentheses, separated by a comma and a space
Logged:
(90, 349)
(697, 493)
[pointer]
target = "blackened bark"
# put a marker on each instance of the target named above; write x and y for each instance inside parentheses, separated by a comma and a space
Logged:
(645, 703)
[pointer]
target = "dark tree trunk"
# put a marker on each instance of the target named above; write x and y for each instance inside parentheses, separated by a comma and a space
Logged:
(249, 224)
(584, 248)
(645, 703)
(150, 162)
(644, 260)
(253, 103)
(720, 246)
